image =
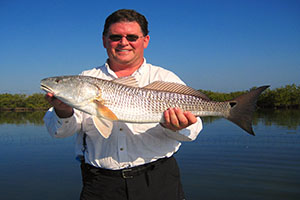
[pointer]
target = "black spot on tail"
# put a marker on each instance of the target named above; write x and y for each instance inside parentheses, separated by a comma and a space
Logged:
(232, 104)
(243, 107)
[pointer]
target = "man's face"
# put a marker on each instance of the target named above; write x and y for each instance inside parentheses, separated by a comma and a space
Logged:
(124, 52)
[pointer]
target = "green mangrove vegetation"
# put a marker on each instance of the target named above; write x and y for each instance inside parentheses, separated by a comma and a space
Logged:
(283, 97)
(22, 102)
(275, 107)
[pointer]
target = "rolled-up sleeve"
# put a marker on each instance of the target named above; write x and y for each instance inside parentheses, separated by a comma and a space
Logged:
(62, 127)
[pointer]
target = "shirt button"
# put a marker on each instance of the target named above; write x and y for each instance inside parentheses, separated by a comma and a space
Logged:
(121, 129)
(121, 149)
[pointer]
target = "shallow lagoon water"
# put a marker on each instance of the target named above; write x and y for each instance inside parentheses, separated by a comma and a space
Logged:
(223, 163)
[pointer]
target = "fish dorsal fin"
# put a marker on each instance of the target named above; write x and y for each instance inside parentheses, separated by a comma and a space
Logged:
(175, 87)
(127, 80)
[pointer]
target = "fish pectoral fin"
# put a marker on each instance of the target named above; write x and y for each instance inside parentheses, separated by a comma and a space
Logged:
(105, 111)
(103, 126)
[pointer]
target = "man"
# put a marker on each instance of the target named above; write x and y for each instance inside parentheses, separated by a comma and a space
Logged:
(136, 161)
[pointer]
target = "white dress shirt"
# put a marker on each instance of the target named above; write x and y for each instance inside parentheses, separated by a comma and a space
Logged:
(129, 144)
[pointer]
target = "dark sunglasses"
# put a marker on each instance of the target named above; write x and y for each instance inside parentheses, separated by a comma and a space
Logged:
(130, 38)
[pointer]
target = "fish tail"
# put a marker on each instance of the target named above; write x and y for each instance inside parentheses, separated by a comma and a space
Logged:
(243, 107)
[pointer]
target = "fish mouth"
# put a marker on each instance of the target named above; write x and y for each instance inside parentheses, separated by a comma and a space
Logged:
(46, 88)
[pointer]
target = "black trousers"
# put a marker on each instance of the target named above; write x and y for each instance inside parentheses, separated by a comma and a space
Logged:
(156, 181)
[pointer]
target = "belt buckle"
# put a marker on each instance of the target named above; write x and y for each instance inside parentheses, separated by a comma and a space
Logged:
(124, 175)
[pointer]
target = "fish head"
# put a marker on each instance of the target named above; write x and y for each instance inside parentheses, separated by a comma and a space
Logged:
(72, 90)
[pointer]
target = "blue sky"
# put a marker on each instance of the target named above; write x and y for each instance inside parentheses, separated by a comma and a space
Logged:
(218, 45)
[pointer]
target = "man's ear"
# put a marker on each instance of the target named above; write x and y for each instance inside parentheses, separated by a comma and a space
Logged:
(104, 40)
(146, 41)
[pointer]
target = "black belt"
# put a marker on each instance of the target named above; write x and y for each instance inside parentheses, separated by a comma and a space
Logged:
(127, 172)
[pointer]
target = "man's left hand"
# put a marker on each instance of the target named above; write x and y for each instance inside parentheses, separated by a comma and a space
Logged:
(176, 119)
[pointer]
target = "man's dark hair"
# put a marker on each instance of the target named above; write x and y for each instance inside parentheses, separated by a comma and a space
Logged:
(126, 15)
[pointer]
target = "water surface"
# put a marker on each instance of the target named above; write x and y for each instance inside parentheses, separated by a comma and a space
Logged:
(223, 163)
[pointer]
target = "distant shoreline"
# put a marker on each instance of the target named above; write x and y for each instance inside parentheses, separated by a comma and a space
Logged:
(287, 97)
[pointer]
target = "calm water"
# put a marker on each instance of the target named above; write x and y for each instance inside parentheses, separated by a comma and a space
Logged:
(223, 163)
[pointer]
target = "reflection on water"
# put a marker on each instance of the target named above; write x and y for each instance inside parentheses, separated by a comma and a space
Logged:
(33, 165)
(18, 118)
(285, 118)
(223, 163)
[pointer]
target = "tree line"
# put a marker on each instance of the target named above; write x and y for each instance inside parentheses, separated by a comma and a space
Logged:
(23, 102)
(283, 97)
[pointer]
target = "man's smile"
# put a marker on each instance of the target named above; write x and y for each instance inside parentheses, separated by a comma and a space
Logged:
(123, 50)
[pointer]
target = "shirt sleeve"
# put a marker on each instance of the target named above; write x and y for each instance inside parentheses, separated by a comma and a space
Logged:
(188, 134)
(62, 127)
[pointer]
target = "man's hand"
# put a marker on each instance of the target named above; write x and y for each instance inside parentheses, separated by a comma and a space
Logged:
(176, 119)
(62, 110)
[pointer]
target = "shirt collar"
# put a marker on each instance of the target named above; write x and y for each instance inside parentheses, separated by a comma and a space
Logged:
(139, 71)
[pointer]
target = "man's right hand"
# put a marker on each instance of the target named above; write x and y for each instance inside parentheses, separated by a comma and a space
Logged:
(62, 110)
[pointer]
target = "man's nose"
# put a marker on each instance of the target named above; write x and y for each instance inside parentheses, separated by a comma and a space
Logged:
(123, 41)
